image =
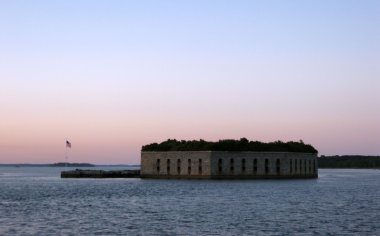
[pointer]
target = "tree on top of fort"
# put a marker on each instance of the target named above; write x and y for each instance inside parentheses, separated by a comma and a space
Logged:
(229, 145)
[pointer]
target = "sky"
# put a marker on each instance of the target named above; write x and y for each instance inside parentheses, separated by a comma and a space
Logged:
(111, 76)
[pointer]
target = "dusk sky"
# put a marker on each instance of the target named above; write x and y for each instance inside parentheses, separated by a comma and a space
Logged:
(111, 76)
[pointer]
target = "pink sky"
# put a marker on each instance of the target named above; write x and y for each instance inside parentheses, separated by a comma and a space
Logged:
(113, 77)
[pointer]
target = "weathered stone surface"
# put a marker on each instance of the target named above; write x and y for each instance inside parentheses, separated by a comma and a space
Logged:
(228, 165)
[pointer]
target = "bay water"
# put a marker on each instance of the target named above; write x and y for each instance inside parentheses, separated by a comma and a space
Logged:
(36, 201)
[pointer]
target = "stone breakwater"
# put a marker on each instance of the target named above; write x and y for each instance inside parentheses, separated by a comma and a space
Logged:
(78, 173)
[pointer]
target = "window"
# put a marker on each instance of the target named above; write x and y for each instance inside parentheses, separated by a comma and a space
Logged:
(158, 165)
(278, 167)
(189, 166)
(243, 165)
(179, 166)
(295, 165)
(290, 166)
(200, 166)
(300, 166)
(266, 166)
(168, 166)
(220, 165)
(309, 166)
(304, 166)
(232, 165)
(303, 169)
(254, 166)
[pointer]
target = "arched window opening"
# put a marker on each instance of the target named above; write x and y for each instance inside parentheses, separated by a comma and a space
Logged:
(232, 165)
(200, 166)
(255, 166)
(296, 166)
(168, 166)
(179, 166)
(304, 166)
(220, 165)
(290, 166)
(243, 165)
(158, 165)
(266, 166)
(309, 166)
(189, 166)
(278, 167)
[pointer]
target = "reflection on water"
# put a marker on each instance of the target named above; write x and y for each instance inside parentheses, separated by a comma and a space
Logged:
(35, 201)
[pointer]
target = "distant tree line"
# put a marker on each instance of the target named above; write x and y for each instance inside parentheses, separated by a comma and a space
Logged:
(229, 145)
(349, 161)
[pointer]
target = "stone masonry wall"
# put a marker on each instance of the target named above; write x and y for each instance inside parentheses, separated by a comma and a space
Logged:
(155, 164)
(263, 165)
(214, 164)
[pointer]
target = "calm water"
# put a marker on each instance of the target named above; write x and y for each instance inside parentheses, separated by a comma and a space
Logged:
(35, 201)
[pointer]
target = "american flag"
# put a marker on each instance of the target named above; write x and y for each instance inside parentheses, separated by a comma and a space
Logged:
(68, 144)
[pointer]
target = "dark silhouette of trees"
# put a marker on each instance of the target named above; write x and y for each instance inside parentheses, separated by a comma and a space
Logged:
(351, 161)
(229, 145)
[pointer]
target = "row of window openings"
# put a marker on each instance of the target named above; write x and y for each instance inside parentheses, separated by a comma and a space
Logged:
(302, 166)
(243, 166)
(300, 163)
(168, 170)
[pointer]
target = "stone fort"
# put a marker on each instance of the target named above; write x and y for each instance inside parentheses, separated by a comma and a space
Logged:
(228, 164)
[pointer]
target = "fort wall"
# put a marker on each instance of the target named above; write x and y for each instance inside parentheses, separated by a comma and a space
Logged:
(189, 164)
(228, 165)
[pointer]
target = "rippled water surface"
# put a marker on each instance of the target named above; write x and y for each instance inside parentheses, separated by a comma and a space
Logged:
(35, 201)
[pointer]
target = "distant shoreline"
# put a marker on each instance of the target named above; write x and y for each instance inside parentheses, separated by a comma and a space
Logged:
(324, 162)
(349, 162)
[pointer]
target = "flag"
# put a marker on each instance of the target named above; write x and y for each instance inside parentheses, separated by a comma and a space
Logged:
(68, 144)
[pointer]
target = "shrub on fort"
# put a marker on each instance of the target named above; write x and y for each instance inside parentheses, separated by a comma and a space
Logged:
(229, 145)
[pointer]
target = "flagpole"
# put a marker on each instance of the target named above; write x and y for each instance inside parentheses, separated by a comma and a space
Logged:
(66, 154)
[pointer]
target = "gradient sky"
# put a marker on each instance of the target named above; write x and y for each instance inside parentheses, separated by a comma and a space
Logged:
(111, 76)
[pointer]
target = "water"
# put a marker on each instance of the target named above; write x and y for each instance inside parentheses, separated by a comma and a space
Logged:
(35, 201)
